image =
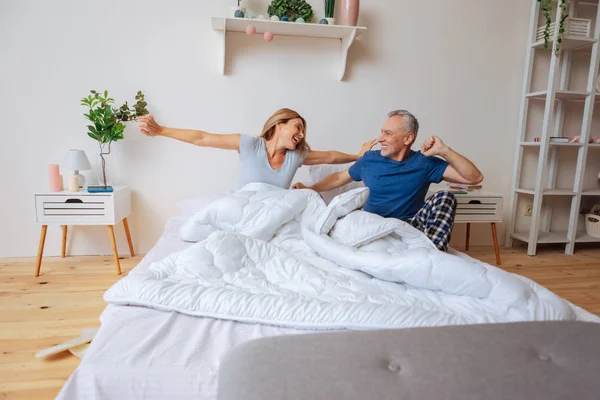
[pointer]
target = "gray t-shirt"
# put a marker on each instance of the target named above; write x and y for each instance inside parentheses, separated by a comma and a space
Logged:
(255, 167)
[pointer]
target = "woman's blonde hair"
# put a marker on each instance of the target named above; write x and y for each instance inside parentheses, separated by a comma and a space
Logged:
(283, 116)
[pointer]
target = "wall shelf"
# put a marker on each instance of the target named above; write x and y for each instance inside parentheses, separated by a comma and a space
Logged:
(345, 34)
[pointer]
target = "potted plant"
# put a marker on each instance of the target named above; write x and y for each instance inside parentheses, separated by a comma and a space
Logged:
(292, 9)
(329, 10)
(107, 123)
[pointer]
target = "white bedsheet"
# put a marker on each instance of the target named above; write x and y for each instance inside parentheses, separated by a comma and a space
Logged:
(141, 353)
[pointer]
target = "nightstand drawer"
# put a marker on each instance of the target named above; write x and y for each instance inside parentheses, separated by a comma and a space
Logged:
(74, 209)
(471, 208)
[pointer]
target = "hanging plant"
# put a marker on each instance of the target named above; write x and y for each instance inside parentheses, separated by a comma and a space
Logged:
(546, 7)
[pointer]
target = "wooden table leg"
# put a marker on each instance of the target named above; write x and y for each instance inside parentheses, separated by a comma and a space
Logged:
(111, 234)
(41, 250)
(496, 249)
(126, 225)
(468, 236)
(64, 241)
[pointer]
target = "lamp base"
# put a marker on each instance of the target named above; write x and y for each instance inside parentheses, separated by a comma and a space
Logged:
(81, 179)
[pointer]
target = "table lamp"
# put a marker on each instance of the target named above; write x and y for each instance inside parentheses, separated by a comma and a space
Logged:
(76, 160)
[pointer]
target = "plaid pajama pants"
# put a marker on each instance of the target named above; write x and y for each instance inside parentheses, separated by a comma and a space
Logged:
(436, 218)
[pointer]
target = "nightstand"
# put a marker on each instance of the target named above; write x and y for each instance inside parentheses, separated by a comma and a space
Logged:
(82, 208)
(477, 207)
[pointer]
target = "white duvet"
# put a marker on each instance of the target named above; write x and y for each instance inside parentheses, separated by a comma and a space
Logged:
(282, 257)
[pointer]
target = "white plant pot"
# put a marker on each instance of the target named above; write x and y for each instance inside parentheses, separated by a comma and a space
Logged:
(331, 21)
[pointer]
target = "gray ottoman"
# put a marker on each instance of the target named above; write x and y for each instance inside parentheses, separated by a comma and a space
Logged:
(532, 360)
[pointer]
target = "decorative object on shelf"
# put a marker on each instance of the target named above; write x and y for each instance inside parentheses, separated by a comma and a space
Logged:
(55, 178)
(546, 7)
(108, 124)
(592, 224)
(73, 183)
(300, 21)
(76, 160)
(292, 9)
(284, 19)
(324, 21)
(274, 18)
(268, 36)
(349, 11)
(239, 11)
(250, 30)
(573, 27)
(329, 10)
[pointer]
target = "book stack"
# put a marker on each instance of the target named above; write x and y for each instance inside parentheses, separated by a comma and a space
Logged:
(568, 139)
(461, 187)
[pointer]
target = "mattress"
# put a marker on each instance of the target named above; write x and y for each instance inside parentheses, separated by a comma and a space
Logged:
(150, 354)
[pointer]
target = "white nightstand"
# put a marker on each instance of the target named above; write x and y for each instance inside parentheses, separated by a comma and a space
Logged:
(83, 208)
(477, 207)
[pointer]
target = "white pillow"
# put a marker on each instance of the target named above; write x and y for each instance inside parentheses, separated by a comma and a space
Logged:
(341, 205)
(322, 171)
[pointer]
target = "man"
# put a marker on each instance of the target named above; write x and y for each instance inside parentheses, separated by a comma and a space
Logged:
(398, 178)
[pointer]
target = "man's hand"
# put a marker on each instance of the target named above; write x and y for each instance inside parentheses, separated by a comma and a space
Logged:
(367, 146)
(433, 146)
(299, 185)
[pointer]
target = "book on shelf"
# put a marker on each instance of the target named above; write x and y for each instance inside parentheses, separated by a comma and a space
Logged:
(568, 139)
(464, 187)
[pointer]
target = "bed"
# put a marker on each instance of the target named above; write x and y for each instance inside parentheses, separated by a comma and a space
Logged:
(142, 352)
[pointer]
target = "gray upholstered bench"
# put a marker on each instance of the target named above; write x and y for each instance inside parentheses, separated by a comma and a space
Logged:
(533, 360)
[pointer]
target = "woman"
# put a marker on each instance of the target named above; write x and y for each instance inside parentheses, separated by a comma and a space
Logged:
(273, 157)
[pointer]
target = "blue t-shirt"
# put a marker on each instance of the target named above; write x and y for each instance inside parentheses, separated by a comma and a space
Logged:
(398, 188)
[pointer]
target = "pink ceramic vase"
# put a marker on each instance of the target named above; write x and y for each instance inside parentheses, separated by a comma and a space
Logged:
(349, 12)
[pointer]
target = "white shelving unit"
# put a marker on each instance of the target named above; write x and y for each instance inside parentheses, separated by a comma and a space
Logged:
(555, 97)
(345, 34)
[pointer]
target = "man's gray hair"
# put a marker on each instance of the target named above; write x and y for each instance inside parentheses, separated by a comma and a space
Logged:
(411, 124)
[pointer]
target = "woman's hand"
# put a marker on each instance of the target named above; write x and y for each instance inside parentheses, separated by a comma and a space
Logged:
(299, 185)
(367, 146)
(149, 127)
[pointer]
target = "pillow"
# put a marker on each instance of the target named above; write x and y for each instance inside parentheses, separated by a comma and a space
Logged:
(322, 171)
(340, 206)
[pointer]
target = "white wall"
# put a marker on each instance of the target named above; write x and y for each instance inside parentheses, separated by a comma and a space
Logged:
(457, 65)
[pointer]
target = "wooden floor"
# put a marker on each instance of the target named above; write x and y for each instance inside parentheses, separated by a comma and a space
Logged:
(36, 313)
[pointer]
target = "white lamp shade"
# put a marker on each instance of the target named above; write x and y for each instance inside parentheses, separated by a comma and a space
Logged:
(76, 160)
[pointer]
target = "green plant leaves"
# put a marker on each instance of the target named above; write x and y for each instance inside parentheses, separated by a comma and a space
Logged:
(108, 121)
(293, 9)
(546, 7)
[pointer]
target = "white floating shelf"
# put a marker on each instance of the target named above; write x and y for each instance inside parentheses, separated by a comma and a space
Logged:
(345, 34)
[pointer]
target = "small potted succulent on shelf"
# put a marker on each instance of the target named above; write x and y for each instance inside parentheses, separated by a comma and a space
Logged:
(291, 10)
(329, 10)
(107, 124)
